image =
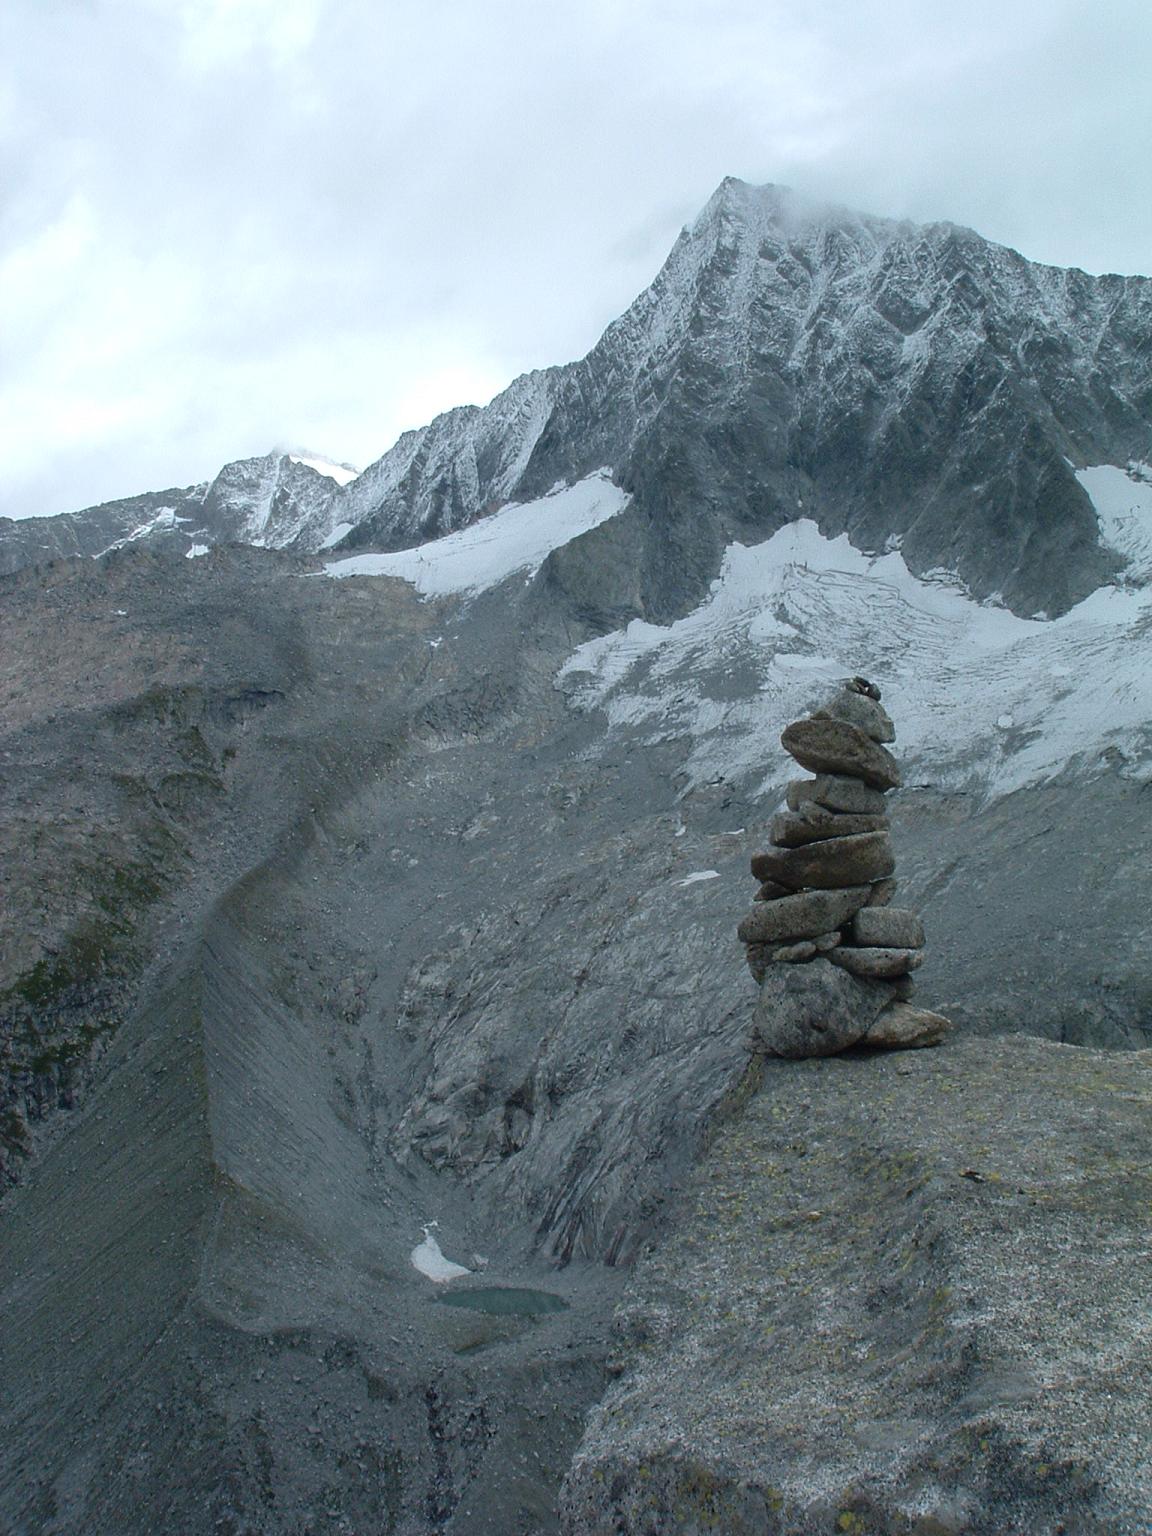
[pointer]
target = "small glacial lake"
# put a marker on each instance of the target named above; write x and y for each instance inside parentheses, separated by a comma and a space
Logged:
(506, 1300)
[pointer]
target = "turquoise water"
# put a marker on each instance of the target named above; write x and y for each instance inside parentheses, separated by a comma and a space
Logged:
(507, 1300)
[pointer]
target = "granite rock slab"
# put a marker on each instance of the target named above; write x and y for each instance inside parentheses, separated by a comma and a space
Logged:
(888, 927)
(877, 961)
(803, 915)
(837, 792)
(828, 865)
(834, 746)
(813, 824)
(904, 1028)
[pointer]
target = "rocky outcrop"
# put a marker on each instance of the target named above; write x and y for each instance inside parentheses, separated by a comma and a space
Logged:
(906, 1296)
(823, 905)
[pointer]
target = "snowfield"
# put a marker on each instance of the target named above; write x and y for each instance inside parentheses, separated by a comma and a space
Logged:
(1123, 503)
(984, 701)
(428, 1258)
(519, 538)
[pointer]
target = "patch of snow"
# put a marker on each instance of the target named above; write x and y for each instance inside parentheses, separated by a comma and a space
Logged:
(789, 617)
(343, 474)
(795, 661)
(336, 535)
(700, 874)
(166, 517)
(427, 1258)
(1122, 499)
(518, 538)
(196, 551)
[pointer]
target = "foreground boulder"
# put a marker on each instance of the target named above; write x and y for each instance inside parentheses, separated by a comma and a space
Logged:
(814, 1009)
(902, 1027)
(907, 1296)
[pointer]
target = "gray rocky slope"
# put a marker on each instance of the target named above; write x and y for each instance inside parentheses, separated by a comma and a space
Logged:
(331, 911)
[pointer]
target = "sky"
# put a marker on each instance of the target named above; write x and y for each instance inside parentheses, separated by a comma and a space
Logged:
(231, 225)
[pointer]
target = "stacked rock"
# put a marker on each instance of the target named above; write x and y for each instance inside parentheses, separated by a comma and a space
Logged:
(832, 956)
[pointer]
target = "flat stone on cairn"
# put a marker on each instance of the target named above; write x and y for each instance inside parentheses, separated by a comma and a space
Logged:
(832, 957)
(834, 746)
(792, 829)
(828, 865)
(835, 792)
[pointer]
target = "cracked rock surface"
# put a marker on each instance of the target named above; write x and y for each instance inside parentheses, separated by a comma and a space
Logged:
(874, 1312)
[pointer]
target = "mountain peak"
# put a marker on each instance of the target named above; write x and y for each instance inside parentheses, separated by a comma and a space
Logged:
(772, 206)
(746, 203)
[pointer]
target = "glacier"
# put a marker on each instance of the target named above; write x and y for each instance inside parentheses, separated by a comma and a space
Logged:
(519, 538)
(988, 702)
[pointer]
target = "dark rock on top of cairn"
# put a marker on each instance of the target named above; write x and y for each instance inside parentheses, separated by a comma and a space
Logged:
(832, 957)
(860, 710)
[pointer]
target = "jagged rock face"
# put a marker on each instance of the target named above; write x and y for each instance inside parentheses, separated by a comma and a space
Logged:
(265, 501)
(158, 519)
(896, 381)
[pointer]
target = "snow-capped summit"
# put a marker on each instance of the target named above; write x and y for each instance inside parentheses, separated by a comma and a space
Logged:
(793, 358)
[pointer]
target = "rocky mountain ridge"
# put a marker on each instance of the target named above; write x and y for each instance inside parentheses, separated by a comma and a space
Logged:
(263, 501)
(895, 381)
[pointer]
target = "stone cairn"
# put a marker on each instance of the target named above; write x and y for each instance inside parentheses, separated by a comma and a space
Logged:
(832, 957)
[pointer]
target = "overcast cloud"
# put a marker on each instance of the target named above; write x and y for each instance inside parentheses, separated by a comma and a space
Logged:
(231, 224)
